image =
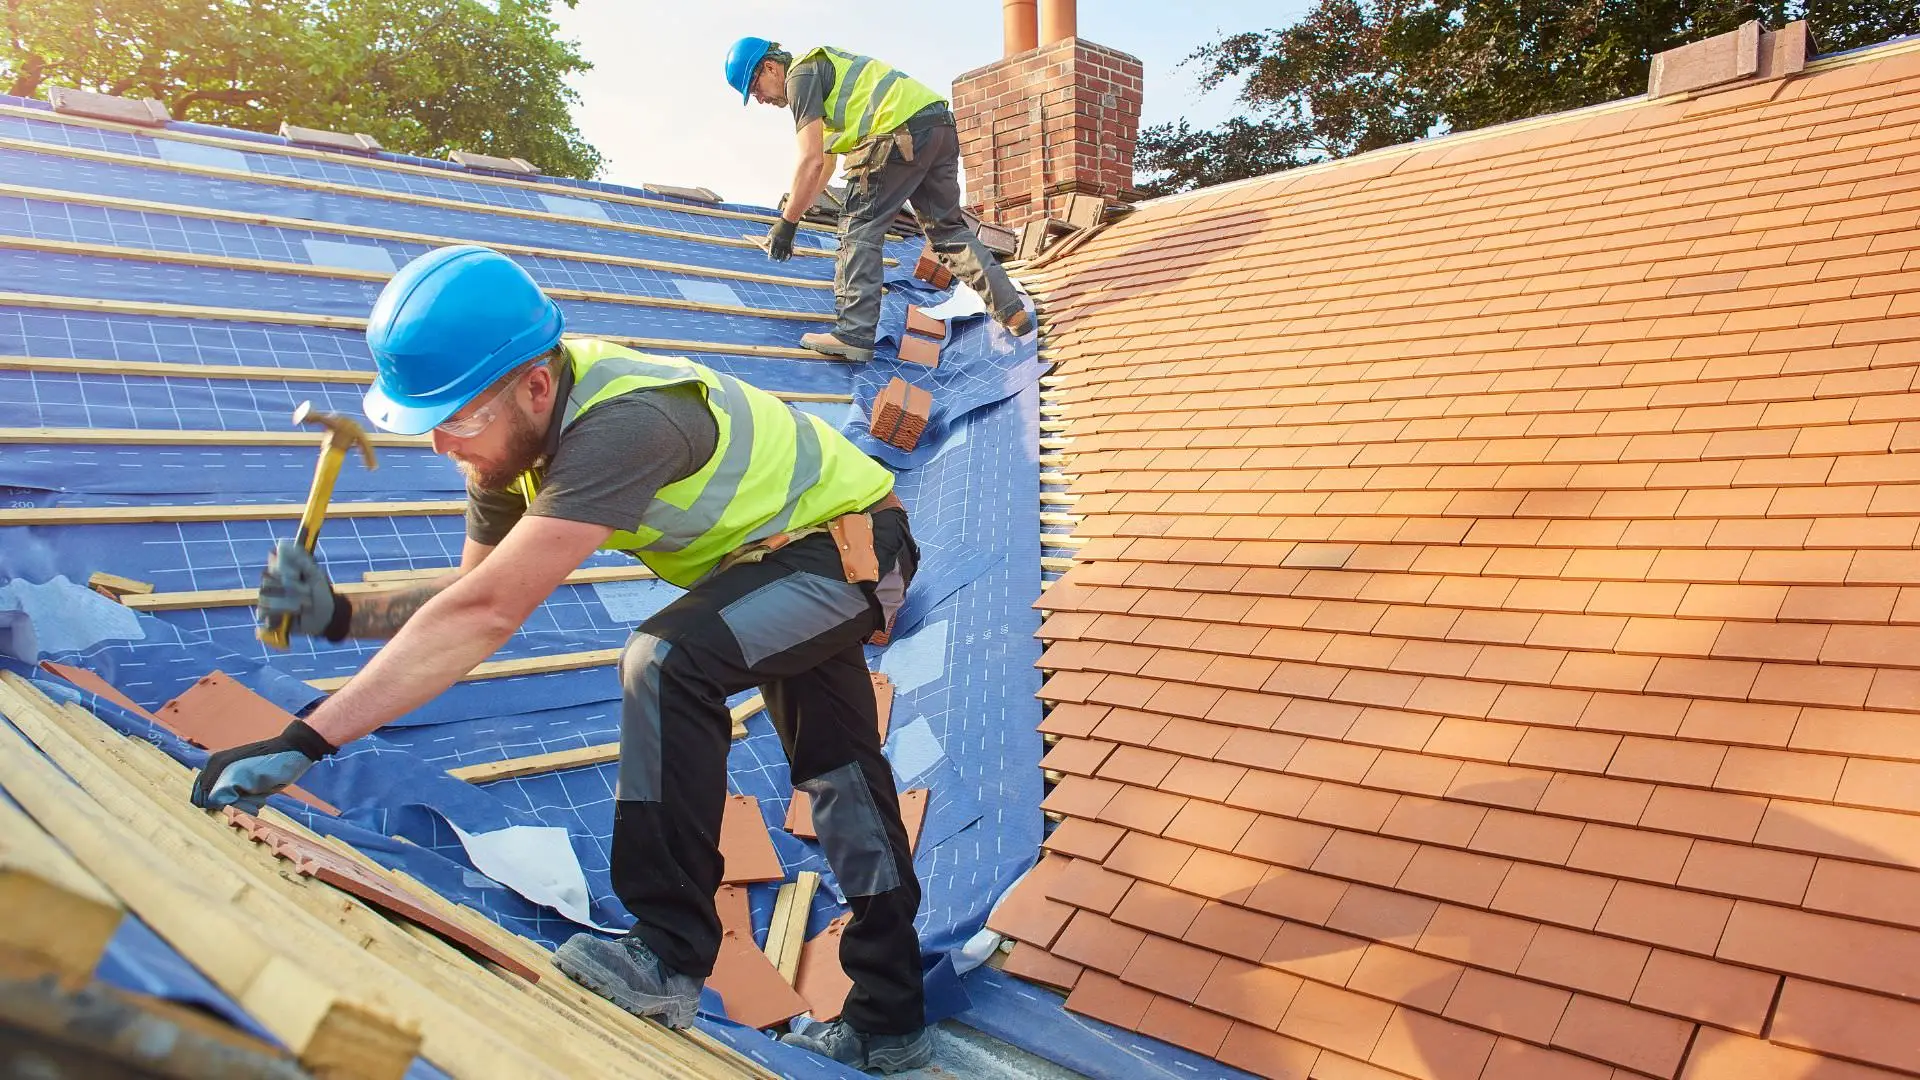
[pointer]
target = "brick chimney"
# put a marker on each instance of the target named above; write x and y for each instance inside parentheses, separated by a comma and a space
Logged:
(1043, 123)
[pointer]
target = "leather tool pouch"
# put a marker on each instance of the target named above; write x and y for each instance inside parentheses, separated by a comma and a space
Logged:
(866, 159)
(853, 535)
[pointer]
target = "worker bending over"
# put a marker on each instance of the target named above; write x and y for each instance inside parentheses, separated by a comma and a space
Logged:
(900, 146)
(575, 446)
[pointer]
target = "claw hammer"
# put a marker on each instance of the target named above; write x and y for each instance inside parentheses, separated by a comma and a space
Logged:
(342, 435)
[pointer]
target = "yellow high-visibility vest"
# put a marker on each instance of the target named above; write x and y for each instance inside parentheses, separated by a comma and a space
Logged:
(774, 468)
(869, 98)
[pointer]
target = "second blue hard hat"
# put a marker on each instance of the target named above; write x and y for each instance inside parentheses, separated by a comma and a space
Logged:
(743, 63)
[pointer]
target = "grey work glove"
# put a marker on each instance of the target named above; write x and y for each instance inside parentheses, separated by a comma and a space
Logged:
(780, 240)
(245, 775)
(295, 585)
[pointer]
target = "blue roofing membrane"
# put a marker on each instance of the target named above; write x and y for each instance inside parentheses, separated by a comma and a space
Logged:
(319, 229)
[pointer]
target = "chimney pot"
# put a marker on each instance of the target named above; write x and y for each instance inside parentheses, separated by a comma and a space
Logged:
(1020, 26)
(1058, 21)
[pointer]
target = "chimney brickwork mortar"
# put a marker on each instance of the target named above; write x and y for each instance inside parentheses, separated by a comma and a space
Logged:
(1045, 124)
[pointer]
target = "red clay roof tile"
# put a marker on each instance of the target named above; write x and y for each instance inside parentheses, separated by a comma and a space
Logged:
(1149, 858)
(1708, 991)
(1623, 1035)
(1084, 839)
(1336, 1019)
(1036, 965)
(1105, 998)
(1267, 1054)
(1249, 992)
(1405, 977)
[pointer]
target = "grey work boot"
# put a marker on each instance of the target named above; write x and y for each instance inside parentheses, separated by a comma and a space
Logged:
(830, 345)
(627, 973)
(870, 1053)
(1017, 322)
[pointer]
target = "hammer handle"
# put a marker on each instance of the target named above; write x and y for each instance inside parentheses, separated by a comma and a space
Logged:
(324, 474)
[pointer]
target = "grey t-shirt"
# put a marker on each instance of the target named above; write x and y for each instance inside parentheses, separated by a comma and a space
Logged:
(808, 85)
(607, 467)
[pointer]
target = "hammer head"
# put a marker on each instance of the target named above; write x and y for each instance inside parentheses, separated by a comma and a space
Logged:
(341, 431)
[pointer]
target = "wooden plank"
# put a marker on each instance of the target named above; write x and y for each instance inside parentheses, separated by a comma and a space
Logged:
(59, 917)
(40, 436)
(143, 515)
(153, 309)
(500, 669)
(166, 369)
(381, 195)
(170, 369)
(251, 146)
(331, 1033)
(591, 575)
(369, 583)
(577, 758)
(294, 269)
(474, 1024)
(103, 1031)
(789, 929)
(536, 764)
(205, 213)
(101, 581)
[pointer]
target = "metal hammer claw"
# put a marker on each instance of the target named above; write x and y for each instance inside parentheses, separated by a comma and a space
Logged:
(342, 435)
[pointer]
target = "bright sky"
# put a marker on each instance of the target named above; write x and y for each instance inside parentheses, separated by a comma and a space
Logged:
(658, 107)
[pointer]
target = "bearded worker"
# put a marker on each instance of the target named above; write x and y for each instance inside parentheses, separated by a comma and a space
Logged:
(793, 551)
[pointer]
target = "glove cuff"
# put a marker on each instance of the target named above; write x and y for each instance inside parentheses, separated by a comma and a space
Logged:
(342, 620)
(308, 741)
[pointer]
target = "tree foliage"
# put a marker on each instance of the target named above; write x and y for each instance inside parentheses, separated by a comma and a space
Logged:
(422, 76)
(1356, 75)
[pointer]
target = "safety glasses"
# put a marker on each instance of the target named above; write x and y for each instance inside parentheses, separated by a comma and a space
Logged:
(475, 422)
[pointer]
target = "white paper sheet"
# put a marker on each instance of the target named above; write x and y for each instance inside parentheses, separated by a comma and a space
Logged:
(536, 861)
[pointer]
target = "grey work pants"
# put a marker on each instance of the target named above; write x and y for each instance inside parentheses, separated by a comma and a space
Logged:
(931, 182)
(791, 625)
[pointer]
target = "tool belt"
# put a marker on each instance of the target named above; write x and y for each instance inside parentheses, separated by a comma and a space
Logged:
(870, 157)
(852, 534)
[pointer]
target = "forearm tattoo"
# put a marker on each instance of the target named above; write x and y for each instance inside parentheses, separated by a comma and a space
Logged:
(380, 615)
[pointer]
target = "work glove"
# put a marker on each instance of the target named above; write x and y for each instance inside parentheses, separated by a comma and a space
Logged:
(294, 584)
(245, 775)
(780, 240)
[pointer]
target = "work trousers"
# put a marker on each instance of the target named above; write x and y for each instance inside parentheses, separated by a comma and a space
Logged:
(793, 626)
(931, 182)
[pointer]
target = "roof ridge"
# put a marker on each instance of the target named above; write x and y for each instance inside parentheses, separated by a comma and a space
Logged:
(1453, 139)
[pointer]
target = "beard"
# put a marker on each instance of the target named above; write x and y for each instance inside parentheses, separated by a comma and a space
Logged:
(524, 447)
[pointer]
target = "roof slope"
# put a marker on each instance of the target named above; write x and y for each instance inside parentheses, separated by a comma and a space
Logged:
(1496, 651)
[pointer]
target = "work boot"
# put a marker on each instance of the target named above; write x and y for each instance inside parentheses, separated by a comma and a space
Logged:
(1017, 322)
(829, 344)
(870, 1053)
(627, 973)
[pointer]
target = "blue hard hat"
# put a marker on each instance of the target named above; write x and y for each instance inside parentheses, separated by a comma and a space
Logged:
(743, 62)
(446, 326)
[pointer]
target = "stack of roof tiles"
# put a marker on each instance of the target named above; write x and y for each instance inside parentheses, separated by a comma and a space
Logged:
(1496, 649)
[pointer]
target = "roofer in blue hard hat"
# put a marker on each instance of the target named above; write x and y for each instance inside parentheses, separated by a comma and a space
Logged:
(898, 141)
(793, 550)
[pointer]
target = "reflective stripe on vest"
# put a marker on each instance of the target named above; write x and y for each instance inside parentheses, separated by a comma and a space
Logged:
(880, 96)
(774, 468)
